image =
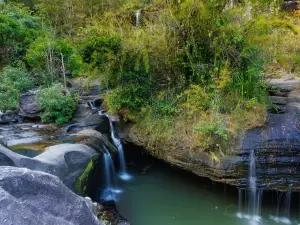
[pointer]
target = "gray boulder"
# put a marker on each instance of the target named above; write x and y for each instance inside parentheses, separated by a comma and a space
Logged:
(66, 161)
(28, 105)
(8, 117)
(34, 198)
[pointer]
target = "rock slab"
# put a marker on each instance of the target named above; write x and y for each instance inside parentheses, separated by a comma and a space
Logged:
(35, 198)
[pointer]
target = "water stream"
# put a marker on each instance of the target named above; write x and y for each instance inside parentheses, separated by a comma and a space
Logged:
(137, 17)
(117, 142)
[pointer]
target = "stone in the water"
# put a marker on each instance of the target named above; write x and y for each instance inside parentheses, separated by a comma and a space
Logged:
(34, 198)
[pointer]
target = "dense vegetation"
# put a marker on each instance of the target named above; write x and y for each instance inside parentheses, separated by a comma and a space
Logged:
(187, 73)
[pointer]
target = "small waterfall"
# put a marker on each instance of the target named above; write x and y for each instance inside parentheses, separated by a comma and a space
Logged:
(288, 201)
(253, 206)
(137, 17)
(240, 200)
(117, 142)
(92, 104)
(249, 10)
(110, 172)
(110, 178)
(254, 195)
(107, 170)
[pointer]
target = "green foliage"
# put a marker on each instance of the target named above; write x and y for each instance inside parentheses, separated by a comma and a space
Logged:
(133, 93)
(56, 105)
(103, 55)
(13, 81)
(81, 184)
(194, 100)
(48, 57)
(18, 29)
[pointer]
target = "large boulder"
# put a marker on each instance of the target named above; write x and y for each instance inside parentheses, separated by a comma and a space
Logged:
(66, 161)
(34, 198)
(28, 105)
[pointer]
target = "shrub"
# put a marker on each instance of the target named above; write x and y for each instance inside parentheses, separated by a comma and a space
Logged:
(194, 99)
(47, 56)
(17, 77)
(56, 105)
(13, 81)
(9, 97)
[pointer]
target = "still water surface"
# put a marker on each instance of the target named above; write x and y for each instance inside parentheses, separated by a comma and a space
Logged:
(161, 195)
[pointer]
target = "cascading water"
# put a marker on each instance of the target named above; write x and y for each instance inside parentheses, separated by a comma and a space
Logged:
(117, 142)
(288, 201)
(110, 178)
(253, 206)
(109, 170)
(254, 195)
(137, 17)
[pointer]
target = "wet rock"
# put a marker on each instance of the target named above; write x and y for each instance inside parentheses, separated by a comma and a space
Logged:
(20, 134)
(66, 161)
(28, 105)
(33, 198)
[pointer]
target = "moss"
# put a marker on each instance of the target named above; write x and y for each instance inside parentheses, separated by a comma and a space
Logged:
(81, 183)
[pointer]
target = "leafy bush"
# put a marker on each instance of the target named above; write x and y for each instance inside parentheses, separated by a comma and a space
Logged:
(133, 93)
(9, 97)
(47, 56)
(194, 99)
(18, 29)
(56, 105)
(13, 81)
(17, 77)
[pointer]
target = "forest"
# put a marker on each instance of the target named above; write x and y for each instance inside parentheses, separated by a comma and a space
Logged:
(184, 72)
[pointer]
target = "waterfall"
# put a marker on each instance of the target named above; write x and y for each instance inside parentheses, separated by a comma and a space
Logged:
(254, 195)
(249, 10)
(288, 201)
(110, 172)
(252, 185)
(137, 17)
(117, 142)
(110, 178)
(107, 171)
(92, 104)
(240, 200)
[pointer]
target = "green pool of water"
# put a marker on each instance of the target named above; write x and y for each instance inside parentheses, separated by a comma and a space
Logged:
(165, 196)
(27, 152)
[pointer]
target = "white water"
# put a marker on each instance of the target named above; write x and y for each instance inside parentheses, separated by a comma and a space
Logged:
(254, 195)
(110, 178)
(137, 17)
(117, 142)
(253, 200)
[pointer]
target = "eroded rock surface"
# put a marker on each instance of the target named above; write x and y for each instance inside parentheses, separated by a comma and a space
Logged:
(66, 161)
(34, 198)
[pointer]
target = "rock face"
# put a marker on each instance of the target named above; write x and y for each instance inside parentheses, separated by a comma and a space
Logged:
(28, 105)
(66, 161)
(290, 5)
(9, 117)
(276, 146)
(34, 198)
